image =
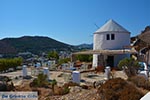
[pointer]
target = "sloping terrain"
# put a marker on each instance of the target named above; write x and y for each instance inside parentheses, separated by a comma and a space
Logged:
(34, 44)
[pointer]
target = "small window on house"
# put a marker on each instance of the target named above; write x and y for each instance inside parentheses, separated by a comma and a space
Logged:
(112, 36)
(107, 37)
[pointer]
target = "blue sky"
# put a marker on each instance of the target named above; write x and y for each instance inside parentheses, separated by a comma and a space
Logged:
(70, 21)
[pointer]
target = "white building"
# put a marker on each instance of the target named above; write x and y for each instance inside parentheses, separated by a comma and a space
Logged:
(111, 36)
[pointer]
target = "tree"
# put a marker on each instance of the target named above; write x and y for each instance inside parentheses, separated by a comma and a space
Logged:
(5, 64)
(130, 66)
(40, 81)
(84, 58)
(53, 55)
(65, 60)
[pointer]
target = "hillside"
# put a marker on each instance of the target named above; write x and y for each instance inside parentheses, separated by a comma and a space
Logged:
(6, 48)
(85, 46)
(34, 44)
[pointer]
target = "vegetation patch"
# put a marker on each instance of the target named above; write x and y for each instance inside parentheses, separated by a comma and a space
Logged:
(70, 84)
(6, 64)
(130, 66)
(140, 81)
(119, 89)
(40, 81)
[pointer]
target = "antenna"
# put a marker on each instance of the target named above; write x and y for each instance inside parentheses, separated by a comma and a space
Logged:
(96, 25)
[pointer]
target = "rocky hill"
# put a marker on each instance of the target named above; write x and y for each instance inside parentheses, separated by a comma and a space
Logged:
(6, 48)
(34, 44)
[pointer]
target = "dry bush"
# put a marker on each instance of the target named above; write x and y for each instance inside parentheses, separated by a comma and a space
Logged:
(70, 84)
(61, 90)
(57, 90)
(64, 89)
(140, 81)
(130, 93)
(118, 89)
(42, 92)
(25, 86)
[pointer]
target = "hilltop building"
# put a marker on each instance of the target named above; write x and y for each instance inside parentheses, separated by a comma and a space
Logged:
(111, 36)
(111, 43)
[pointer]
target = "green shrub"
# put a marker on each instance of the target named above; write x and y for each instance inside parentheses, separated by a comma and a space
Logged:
(53, 55)
(130, 66)
(5, 64)
(53, 83)
(84, 58)
(40, 81)
(65, 60)
(65, 90)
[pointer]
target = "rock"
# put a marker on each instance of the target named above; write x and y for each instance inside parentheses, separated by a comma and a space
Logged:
(84, 86)
(10, 86)
(76, 89)
(3, 86)
(5, 78)
(6, 86)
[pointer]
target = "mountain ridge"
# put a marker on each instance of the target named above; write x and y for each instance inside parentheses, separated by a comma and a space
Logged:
(34, 44)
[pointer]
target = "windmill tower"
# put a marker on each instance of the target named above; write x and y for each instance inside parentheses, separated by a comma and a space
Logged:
(111, 36)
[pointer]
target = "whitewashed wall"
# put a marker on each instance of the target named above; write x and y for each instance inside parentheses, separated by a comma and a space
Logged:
(121, 39)
(100, 43)
(95, 59)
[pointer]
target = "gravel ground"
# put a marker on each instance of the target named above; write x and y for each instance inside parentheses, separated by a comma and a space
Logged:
(82, 95)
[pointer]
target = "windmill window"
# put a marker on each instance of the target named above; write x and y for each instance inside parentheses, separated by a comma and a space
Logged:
(107, 37)
(112, 36)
